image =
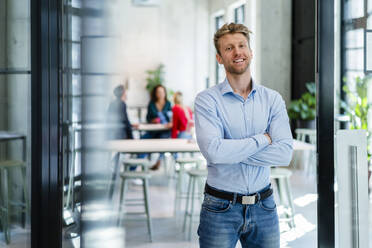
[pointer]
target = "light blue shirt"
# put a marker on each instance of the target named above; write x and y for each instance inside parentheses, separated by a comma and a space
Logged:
(230, 134)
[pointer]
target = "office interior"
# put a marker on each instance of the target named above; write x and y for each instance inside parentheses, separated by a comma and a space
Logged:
(61, 60)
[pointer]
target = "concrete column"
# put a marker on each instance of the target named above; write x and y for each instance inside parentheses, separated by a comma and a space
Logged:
(274, 45)
(17, 51)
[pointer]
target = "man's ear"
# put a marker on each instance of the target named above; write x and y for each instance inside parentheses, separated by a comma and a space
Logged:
(219, 59)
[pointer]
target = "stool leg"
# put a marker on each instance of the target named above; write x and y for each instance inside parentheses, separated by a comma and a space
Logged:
(178, 196)
(290, 202)
(122, 190)
(7, 208)
(187, 203)
(147, 206)
(25, 193)
(192, 206)
(3, 206)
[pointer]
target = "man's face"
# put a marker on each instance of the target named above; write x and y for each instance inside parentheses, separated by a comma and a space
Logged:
(124, 96)
(236, 56)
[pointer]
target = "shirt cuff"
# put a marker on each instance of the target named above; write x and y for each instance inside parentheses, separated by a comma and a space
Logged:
(261, 140)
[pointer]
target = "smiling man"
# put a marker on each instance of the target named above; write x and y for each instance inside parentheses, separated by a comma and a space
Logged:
(242, 129)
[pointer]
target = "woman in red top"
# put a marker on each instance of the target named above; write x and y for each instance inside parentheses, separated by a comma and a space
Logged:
(181, 118)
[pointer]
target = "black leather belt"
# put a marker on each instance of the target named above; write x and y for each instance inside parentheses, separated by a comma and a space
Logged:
(243, 199)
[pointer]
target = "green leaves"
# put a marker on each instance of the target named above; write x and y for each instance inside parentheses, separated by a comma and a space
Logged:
(357, 106)
(155, 77)
(305, 107)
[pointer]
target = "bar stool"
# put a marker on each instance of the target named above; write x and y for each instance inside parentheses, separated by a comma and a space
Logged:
(180, 193)
(281, 177)
(7, 204)
(142, 162)
(309, 136)
(193, 193)
(144, 176)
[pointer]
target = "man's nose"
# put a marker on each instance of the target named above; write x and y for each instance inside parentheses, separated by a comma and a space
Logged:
(237, 51)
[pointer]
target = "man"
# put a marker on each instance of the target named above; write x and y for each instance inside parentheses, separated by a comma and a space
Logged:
(242, 129)
(118, 116)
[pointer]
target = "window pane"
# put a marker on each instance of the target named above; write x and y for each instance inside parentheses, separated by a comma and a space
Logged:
(354, 9)
(354, 38)
(239, 14)
(354, 59)
(75, 28)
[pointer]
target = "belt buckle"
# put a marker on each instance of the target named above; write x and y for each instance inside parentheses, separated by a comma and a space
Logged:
(249, 199)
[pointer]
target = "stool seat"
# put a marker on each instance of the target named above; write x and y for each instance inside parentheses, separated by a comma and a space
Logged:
(136, 161)
(188, 160)
(280, 173)
(135, 174)
(11, 163)
(198, 173)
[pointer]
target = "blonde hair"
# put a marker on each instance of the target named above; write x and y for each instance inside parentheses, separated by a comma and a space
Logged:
(178, 99)
(231, 28)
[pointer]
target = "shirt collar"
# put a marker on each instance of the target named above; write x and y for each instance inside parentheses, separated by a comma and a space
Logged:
(226, 87)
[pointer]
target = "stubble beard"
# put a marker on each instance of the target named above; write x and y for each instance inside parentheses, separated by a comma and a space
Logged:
(230, 69)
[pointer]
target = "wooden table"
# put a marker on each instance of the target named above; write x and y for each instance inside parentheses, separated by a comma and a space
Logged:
(173, 145)
(153, 145)
(152, 127)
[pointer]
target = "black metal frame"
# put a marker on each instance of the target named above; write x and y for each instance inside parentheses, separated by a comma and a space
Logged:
(46, 190)
(325, 122)
(365, 51)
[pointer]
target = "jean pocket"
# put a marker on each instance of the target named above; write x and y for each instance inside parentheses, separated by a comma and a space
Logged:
(216, 205)
(268, 203)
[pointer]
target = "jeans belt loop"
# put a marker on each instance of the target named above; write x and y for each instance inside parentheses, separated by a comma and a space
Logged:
(234, 200)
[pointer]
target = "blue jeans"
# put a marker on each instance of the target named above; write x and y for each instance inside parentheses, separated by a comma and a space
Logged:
(184, 135)
(223, 223)
(155, 135)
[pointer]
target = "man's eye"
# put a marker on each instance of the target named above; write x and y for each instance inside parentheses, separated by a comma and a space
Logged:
(228, 49)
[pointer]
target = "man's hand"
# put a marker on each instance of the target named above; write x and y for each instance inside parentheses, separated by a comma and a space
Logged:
(268, 137)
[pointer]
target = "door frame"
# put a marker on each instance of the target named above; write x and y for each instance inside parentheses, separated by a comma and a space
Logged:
(46, 187)
(325, 122)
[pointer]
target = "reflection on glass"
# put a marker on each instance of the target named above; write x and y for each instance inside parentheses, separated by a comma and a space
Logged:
(353, 165)
(15, 167)
(15, 119)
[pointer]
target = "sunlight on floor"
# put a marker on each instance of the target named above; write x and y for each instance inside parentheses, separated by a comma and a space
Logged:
(305, 200)
(303, 226)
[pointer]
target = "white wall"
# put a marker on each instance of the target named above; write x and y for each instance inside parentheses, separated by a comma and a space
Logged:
(270, 22)
(175, 34)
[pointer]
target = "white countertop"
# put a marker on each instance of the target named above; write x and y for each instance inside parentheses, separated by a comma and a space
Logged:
(173, 145)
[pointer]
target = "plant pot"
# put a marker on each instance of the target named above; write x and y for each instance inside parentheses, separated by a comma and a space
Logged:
(306, 124)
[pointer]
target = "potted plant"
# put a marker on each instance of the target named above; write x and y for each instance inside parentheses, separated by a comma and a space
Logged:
(303, 110)
(155, 77)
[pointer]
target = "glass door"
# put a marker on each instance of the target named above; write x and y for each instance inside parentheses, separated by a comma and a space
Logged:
(353, 85)
(15, 123)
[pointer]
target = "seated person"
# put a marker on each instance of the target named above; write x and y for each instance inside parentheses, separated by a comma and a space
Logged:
(182, 118)
(158, 111)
